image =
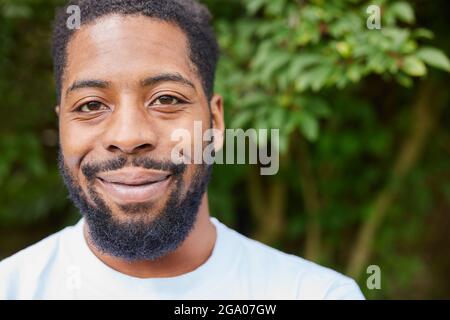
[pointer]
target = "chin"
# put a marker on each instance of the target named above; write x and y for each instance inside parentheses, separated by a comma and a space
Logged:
(147, 211)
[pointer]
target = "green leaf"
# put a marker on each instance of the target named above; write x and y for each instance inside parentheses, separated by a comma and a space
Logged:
(403, 11)
(309, 126)
(254, 6)
(275, 8)
(344, 49)
(315, 78)
(354, 72)
(242, 119)
(434, 57)
(414, 66)
(263, 52)
(278, 118)
(273, 64)
(404, 80)
(301, 62)
(423, 33)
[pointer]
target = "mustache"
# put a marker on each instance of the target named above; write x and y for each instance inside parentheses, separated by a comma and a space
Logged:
(91, 170)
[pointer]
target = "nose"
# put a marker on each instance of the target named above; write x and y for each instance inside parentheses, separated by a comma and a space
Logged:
(130, 131)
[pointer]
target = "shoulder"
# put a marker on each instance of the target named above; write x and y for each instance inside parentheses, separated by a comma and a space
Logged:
(27, 266)
(289, 276)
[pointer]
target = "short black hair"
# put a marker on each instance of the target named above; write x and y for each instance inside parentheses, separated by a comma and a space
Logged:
(193, 18)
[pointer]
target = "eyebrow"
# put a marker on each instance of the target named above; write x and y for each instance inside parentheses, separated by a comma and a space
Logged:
(147, 82)
(167, 77)
(81, 84)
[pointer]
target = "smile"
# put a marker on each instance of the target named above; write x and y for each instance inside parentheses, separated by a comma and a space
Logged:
(134, 185)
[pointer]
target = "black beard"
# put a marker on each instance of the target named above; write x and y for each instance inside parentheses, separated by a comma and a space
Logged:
(138, 239)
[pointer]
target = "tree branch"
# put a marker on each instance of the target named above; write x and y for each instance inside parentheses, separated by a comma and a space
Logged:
(423, 120)
(312, 202)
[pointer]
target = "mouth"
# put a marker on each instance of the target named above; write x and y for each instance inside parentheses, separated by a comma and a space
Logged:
(127, 187)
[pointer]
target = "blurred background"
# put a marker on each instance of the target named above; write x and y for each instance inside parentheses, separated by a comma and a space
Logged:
(364, 123)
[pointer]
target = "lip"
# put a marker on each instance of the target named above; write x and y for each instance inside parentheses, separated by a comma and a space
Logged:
(134, 185)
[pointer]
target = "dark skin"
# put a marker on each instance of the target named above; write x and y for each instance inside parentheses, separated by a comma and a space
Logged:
(127, 85)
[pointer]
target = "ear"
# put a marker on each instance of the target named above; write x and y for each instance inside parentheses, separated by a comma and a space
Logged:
(218, 122)
(57, 108)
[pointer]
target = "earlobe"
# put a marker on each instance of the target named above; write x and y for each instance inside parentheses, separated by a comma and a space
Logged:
(57, 108)
(217, 112)
(218, 121)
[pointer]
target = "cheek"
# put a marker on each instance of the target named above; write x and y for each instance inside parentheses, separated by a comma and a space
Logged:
(188, 179)
(185, 136)
(76, 142)
(192, 126)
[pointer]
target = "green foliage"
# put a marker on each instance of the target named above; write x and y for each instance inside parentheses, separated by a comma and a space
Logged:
(279, 54)
(30, 189)
(314, 68)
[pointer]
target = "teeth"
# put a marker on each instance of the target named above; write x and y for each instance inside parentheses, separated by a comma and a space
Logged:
(142, 184)
(136, 185)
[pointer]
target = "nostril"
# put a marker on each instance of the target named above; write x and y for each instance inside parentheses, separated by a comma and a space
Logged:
(145, 146)
(130, 149)
(113, 148)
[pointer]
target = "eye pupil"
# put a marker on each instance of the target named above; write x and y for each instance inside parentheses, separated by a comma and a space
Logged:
(91, 106)
(94, 106)
(167, 100)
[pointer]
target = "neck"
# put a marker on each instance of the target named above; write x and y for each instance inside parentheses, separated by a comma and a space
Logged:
(192, 253)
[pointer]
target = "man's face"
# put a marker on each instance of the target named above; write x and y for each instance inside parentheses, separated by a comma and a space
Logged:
(128, 84)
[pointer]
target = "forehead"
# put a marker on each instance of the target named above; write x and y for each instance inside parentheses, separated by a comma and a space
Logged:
(122, 48)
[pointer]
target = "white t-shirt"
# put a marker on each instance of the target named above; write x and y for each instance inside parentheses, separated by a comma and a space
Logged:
(63, 267)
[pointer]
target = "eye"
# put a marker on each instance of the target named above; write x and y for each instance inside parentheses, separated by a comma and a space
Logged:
(167, 100)
(92, 106)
